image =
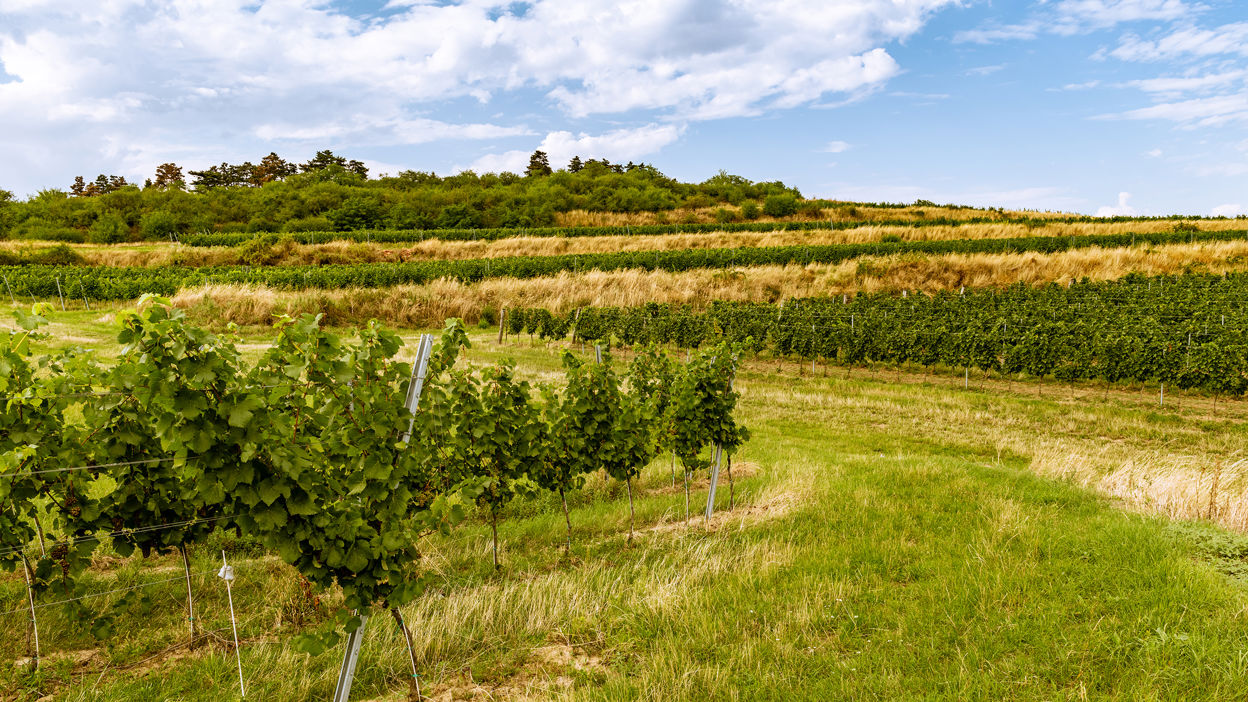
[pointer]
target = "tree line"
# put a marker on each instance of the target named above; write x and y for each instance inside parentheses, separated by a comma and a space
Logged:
(333, 193)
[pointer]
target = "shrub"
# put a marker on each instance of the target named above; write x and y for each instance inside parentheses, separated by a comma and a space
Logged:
(308, 224)
(749, 209)
(266, 250)
(724, 215)
(158, 225)
(784, 205)
(109, 228)
(356, 213)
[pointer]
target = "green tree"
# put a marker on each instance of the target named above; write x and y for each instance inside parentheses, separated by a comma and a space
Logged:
(539, 165)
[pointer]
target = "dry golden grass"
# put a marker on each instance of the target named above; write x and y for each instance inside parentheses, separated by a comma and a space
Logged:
(290, 254)
(429, 304)
(851, 212)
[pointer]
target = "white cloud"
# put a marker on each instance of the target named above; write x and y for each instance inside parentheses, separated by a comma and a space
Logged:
(1068, 17)
(836, 147)
(1153, 153)
(560, 147)
(234, 74)
(1227, 211)
(1123, 207)
(985, 70)
(1185, 42)
(1197, 112)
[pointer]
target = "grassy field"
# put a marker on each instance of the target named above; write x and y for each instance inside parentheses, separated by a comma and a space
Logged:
(894, 536)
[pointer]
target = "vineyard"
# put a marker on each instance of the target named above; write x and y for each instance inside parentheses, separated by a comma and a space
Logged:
(560, 499)
(417, 235)
(110, 283)
(312, 452)
(1189, 331)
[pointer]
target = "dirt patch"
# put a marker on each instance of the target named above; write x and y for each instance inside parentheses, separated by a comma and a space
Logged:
(549, 668)
(771, 506)
(740, 471)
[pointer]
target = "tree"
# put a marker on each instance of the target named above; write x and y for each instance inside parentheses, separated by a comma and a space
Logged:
(271, 168)
(575, 165)
(79, 188)
(326, 158)
(168, 175)
(539, 165)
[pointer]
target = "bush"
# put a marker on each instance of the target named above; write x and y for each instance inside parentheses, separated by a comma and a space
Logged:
(308, 224)
(780, 205)
(43, 230)
(266, 250)
(724, 215)
(357, 213)
(749, 209)
(110, 228)
(158, 225)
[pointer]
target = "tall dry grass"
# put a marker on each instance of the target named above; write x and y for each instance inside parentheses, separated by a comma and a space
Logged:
(429, 304)
(851, 212)
(290, 254)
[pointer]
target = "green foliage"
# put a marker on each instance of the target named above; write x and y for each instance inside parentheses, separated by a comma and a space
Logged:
(159, 225)
(109, 228)
(784, 205)
(270, 195)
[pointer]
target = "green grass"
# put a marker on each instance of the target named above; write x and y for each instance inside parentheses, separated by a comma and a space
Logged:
(891, 541)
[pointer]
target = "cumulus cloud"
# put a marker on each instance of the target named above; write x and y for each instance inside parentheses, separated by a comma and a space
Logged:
(836, 147)
(236, 75)
(560, 147)
(1123, 208)
(1227, 211)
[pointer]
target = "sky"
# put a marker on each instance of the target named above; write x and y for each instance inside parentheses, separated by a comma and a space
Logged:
(1092, 106)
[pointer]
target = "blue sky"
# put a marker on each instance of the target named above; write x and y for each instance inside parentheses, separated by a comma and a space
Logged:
(1109, 106)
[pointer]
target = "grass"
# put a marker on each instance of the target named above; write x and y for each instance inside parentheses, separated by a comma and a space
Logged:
(895, 538)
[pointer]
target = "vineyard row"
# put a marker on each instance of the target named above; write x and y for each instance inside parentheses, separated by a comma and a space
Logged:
(312, 449)
(1190, 331)
(417, 235)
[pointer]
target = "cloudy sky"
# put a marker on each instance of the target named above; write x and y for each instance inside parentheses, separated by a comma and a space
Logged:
(1132, 106)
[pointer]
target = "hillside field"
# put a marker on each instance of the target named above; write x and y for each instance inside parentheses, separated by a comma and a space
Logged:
(993, 455)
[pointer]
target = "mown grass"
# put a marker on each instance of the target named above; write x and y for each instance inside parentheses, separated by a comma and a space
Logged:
(892, 540)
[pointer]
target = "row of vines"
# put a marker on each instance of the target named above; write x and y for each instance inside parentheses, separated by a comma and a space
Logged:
(416, 235)
(311, 449)
(1190, 331)
(111, 283)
